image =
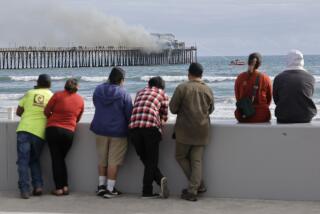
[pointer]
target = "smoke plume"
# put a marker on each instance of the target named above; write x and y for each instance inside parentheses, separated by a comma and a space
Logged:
(55, 24)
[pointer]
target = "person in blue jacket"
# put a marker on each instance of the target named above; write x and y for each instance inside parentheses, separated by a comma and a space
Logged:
(113, 108)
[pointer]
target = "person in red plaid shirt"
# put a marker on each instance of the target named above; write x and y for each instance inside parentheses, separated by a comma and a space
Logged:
(150, 111)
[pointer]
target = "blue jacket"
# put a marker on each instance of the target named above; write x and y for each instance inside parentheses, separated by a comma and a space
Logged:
(113, 110)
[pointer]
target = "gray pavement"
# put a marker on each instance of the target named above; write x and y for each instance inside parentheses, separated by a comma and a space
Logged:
(85, 203)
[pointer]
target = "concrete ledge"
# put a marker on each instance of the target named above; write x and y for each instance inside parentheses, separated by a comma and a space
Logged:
(265, 161)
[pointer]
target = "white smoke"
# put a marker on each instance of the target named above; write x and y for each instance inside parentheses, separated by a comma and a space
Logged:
(56, 24)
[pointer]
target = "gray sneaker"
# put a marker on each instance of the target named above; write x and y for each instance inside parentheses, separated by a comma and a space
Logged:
(189, 196)
(164, 188)
(25, 195)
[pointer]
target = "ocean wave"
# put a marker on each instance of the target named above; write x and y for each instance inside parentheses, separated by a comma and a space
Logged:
(93, 79)
(34, 78)
(185, 78)
(10, 96)
(167, 78)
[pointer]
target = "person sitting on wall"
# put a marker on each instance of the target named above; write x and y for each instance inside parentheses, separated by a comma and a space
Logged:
(150, 112)
(31, 135)
(253, 92)
(63, 111)
(113, 108)
(193, 102)
(293, 90)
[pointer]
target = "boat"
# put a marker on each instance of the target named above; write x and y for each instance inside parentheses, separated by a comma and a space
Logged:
(237, 62)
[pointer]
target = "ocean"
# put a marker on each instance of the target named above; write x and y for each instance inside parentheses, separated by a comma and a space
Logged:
(218, 74)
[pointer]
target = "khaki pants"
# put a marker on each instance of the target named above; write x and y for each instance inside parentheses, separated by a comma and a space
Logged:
(189, 158)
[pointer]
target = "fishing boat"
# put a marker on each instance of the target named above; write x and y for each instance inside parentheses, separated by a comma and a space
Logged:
(237, 62)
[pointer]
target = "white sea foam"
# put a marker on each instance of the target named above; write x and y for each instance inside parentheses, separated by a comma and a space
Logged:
(10, 96)
(93, 79)
(185, 78)
(167, 78)
(34, 78)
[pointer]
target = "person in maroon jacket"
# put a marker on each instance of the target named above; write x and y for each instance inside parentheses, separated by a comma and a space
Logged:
(63, 111)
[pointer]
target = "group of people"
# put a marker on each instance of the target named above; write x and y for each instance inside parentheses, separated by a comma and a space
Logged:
(118, 120)
(292, 92)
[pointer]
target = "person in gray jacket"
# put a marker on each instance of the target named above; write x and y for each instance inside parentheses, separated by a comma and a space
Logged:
(293, 90)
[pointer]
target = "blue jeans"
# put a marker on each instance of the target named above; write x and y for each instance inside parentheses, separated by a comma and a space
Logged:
(29, 149)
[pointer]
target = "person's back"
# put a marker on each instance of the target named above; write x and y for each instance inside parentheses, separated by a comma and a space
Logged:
(193, 103)
(66, 109)
(33, 119)
(244, 88)
(113, 110)
(31, 135)
(193, 112)
(292, 92)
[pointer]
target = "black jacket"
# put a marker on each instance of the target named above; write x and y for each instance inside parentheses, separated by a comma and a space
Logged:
(292, 94)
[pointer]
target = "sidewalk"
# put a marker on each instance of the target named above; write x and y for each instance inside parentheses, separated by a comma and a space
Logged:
(84, 203)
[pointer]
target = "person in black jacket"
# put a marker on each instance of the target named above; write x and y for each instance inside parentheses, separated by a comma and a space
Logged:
(293, 90)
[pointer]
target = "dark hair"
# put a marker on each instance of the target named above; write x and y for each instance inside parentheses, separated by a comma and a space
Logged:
(116, 75)
(195, 69)
(255, 56)
(71, 85)
(44, 81)
(157, 82)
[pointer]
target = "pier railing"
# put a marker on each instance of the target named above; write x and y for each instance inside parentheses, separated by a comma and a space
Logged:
(73, 57)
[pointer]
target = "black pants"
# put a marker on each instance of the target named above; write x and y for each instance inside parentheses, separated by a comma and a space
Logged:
(146, 142)
(59, 141)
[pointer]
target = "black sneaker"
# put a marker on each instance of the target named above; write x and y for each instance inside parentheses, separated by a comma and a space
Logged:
(112, 194)
(150, 196)
(116, 192)
(202, 189)
(189, 196)
(101, 190)
(164, 188)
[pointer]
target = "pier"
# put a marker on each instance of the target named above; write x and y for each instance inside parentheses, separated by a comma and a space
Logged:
(75, 57)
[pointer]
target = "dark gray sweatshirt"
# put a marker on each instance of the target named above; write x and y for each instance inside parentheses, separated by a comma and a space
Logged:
(292, 94)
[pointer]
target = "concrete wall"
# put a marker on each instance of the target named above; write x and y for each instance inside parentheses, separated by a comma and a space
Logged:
(266, 161)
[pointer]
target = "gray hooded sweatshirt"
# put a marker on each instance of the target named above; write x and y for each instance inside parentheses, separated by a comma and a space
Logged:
(293, 90)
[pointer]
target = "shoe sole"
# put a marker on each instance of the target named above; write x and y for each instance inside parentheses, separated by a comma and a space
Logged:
(101, 194)
(188, 199)
(150, 197)
(164, 188)
(108, 196)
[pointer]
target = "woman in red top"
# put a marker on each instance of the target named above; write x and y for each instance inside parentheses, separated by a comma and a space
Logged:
(244, 88)
(63, 111)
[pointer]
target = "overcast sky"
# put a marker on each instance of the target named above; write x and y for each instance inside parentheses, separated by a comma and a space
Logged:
(225, 27)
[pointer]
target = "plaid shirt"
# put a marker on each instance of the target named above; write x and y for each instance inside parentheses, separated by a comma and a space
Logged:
(150, 108)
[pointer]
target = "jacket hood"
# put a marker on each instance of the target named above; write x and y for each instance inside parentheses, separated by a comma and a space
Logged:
(108, 93)
(295, 60)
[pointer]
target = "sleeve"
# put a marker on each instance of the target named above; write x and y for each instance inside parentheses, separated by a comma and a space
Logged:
(128, 107)
(237, 88)
(312, 85)
(49, 108)
(211, 107)
(81, 112)
(94, 97)
(268, 89)
(164, 108)
(175, 101)
(22, 100)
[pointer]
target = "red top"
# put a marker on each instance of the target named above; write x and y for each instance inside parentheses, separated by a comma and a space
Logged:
(64, 110)
(244, 87)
